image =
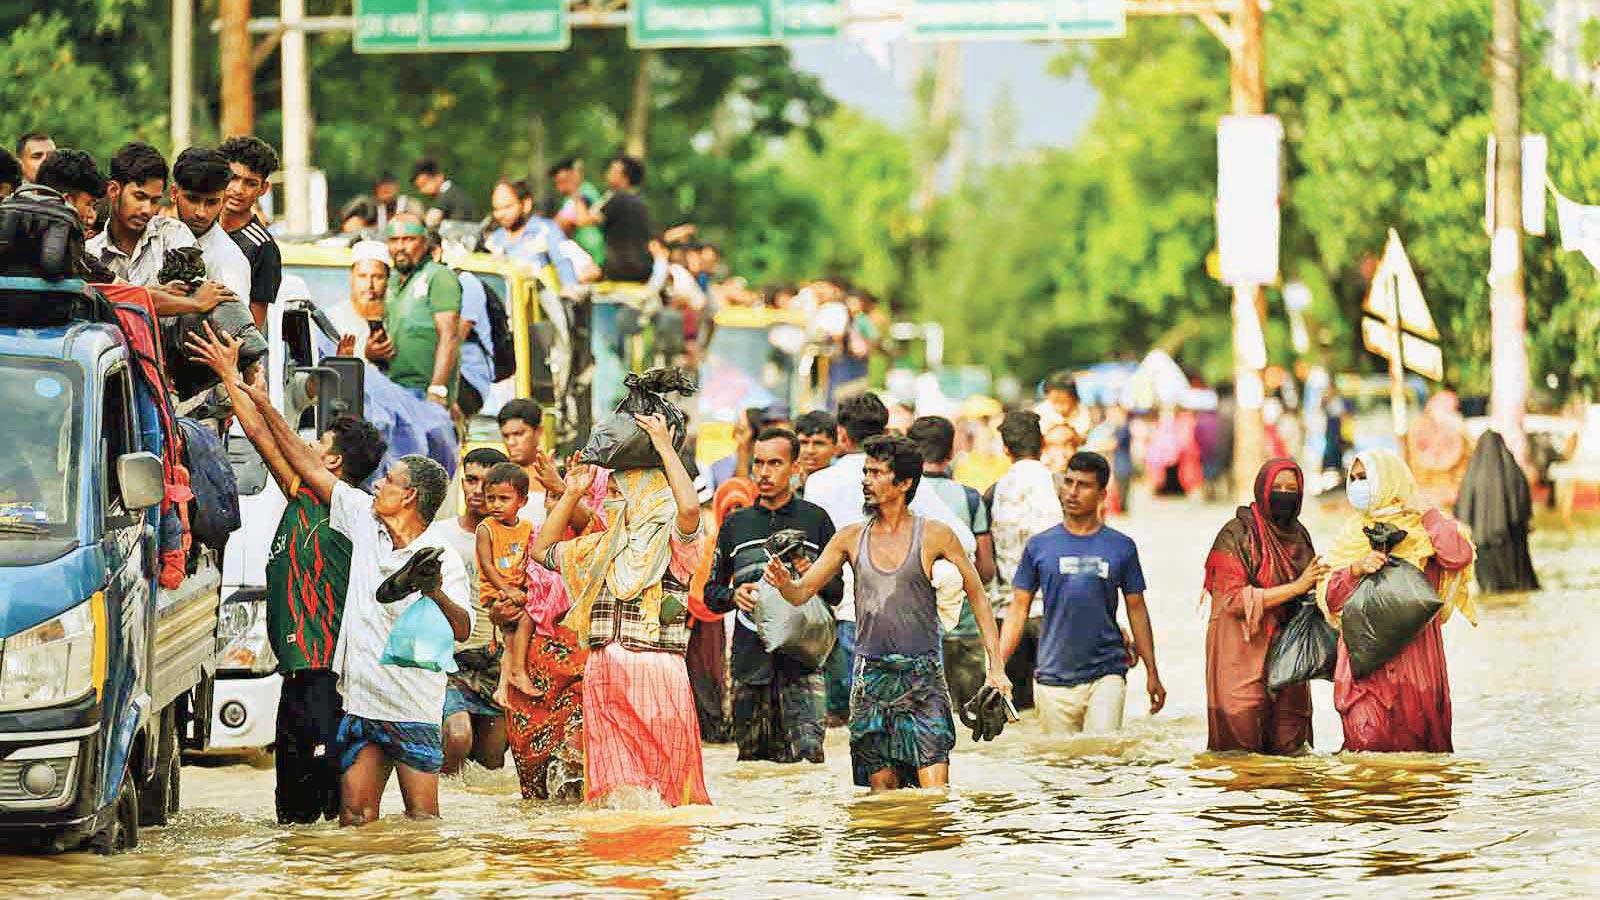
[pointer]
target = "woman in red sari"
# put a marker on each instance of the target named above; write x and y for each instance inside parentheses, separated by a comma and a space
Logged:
(1261, 561)
(1405, 704)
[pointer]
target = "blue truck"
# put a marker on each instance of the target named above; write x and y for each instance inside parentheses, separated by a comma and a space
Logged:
(105, 676)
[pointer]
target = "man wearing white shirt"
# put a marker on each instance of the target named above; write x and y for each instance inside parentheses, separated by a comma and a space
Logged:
(392, 713)
(136, 240)
(199, 181)
(1022, 503)
(837, 489)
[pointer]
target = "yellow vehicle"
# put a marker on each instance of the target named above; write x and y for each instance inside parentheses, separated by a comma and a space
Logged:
(326, 272)
(756, 357)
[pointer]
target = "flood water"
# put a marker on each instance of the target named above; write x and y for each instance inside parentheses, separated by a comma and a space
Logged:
(1514, 812)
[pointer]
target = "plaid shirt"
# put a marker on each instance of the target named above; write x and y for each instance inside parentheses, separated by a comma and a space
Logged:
(624, 622)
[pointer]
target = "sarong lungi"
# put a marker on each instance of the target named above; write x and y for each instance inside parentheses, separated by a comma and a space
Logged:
(899, 717)
(640, 726)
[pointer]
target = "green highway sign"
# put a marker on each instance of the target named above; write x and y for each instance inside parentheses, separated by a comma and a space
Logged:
(730, 23)
(933, 20)
(458, 26)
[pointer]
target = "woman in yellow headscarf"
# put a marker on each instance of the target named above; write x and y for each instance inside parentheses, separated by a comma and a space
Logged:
(629, 588)
(1405, 704)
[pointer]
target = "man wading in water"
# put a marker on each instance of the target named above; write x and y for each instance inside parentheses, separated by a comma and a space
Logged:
(901, 730)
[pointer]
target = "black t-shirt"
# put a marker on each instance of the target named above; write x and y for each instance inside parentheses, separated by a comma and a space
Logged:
(627, 229)
(266, 263)
(455, 203)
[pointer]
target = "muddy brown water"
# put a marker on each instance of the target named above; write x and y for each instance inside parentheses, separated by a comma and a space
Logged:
(1514, 812)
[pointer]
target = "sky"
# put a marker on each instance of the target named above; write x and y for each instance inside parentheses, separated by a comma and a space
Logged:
(1052, 110)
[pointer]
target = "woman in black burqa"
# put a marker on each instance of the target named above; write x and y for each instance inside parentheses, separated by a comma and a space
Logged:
(1496, 503)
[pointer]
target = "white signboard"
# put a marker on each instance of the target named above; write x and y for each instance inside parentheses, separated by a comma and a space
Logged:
(1249, 159)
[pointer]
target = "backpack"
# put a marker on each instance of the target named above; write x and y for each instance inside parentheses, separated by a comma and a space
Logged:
(40, 236)
(500, 339)
(215, 514)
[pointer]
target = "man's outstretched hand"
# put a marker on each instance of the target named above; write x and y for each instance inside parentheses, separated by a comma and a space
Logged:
(219, 352)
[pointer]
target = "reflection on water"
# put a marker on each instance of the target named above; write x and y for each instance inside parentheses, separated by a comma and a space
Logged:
(1513, 812)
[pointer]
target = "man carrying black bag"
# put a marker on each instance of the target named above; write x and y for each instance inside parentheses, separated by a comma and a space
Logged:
(777, 699)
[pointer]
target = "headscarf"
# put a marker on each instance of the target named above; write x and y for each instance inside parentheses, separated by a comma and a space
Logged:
(1495, 499)
(1255, 549)
(732, 495)
(630, 557)
(1438, 439)
(1392, 488)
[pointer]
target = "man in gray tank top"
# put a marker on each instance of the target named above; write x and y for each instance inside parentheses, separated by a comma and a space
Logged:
(901, 729)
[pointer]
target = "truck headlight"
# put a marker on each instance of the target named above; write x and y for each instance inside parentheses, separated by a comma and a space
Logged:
(242, 637)
(50, 663)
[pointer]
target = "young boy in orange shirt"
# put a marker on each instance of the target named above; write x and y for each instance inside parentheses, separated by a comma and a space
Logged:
(503, 541)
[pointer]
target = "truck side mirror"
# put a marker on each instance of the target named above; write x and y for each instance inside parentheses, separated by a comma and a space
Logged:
(140, 475)
(343, 389)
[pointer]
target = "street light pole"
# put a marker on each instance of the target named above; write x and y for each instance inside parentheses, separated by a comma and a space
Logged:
(182, 95)
(296, 119)
(1248, 87)
(1508, 304)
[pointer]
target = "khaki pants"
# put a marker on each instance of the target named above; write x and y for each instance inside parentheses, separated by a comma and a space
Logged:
(1094, 707)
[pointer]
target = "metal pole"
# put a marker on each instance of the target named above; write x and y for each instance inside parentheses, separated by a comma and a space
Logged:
(1248, 84)
(1508, 305)
(296, 120)
(182, 73)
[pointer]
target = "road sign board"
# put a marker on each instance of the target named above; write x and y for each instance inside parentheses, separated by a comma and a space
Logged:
(730, 23)
(1420, 356)
(458, 26)
(1395, 291)
(1016, 19)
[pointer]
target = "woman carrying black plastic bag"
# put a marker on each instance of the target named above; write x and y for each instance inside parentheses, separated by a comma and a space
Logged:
(1260, 562)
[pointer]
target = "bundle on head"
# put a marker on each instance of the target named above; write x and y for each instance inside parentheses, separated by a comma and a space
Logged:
(618, 442)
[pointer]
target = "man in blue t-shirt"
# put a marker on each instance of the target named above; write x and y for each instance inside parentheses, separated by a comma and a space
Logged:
(1081, 565)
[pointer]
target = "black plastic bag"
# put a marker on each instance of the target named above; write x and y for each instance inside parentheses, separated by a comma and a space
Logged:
(805, 632)
(618, 443)
(1388, 608)
(1305, 648)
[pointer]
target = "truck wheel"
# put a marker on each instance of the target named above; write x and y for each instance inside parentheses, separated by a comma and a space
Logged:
(159, 799)
(122, 832)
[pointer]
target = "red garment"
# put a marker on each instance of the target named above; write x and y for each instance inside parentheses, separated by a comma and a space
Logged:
(1405, 704)
(548, 729)
(1250, 555)
(640, 727)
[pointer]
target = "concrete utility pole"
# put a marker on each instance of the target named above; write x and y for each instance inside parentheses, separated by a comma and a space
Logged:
(238, 70)
(1248, 86)
(1508, 305)
(296, 119)
(182, 96)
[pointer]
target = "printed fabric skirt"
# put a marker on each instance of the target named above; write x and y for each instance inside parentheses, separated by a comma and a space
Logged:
(546, 731)
(899, 717)
(640, 726)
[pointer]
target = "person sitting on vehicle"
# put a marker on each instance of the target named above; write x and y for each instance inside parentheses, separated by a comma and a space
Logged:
(521, 235)
(200, 179)
(392, 713)
(74, 175)
(308, 573)
(450, 201)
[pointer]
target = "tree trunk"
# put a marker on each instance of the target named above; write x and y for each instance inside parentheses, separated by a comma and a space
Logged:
(636, 137)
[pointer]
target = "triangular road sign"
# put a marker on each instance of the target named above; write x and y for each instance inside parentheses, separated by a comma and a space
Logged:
(1395, 291)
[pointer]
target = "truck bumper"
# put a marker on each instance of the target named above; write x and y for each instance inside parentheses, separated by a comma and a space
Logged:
(244, 711)
(49, 796)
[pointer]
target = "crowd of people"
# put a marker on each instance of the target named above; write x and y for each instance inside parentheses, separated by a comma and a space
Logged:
(590, 609)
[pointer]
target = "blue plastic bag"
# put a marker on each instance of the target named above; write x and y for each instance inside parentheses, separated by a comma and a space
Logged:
(421, 639)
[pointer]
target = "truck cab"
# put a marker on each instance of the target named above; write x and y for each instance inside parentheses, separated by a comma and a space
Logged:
(103, 673)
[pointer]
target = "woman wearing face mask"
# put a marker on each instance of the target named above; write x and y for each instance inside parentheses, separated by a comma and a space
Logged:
(1405, 704)
(1261, 561)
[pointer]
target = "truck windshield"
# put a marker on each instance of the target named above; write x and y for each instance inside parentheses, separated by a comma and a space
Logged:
(38, 451)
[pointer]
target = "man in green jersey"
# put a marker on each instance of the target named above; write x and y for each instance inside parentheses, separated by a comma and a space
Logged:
(421, 312)
(308, 570)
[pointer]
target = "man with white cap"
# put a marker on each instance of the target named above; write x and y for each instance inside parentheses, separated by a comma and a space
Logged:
(362, 315)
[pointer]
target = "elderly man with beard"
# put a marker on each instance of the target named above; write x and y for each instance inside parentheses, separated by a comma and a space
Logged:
(361, 317)
(777, 700)
(422, 310)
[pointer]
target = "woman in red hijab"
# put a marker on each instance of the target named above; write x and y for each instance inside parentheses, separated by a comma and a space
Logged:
(1261, 560)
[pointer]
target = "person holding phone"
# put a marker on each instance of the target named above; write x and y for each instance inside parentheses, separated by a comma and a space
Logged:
(361, 317)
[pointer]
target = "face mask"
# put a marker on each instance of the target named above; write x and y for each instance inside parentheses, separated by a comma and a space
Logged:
(1360, 494)
(1284, 506)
